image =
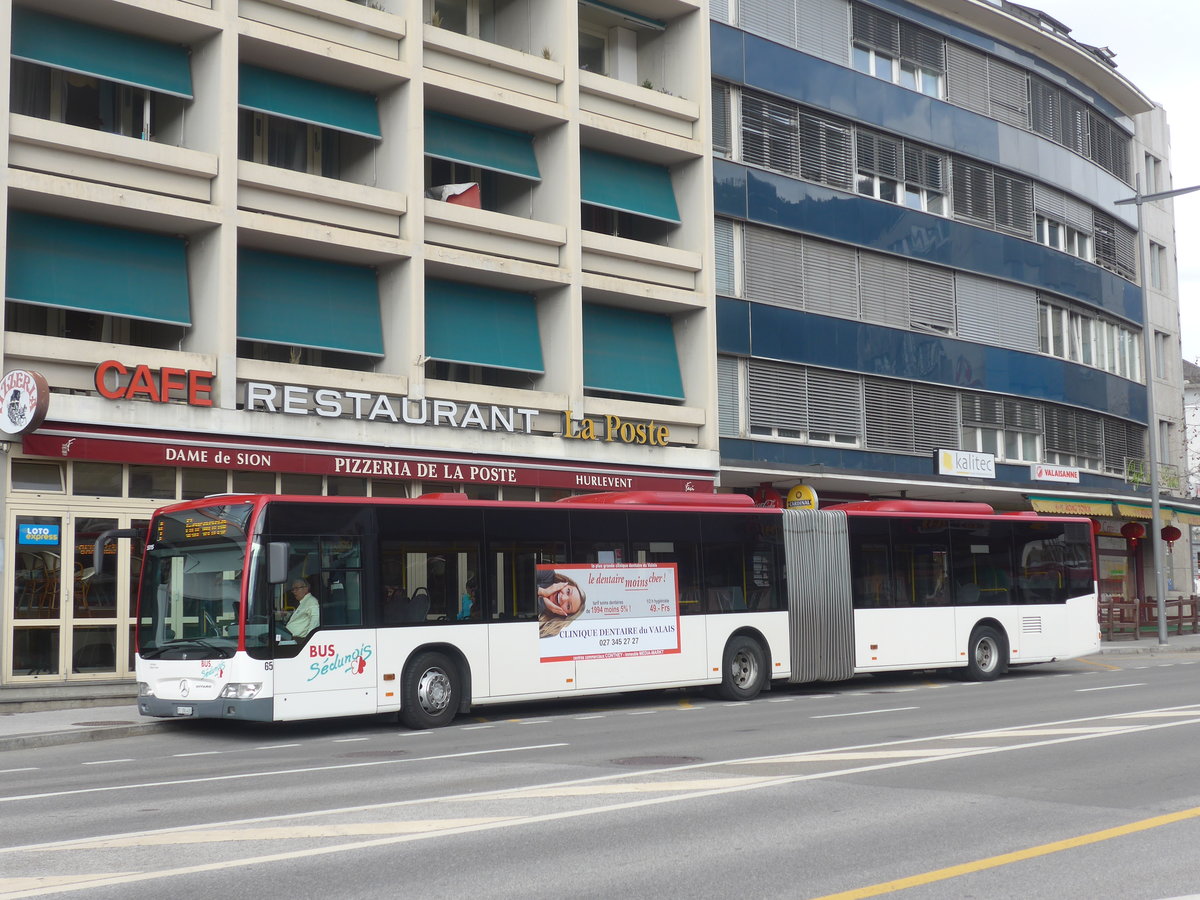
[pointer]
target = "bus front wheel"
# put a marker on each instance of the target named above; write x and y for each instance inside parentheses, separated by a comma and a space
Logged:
(744, 669)
(429, 695)
(986, 653)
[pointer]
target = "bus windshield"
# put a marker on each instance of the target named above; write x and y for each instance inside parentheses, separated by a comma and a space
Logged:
(192, 581)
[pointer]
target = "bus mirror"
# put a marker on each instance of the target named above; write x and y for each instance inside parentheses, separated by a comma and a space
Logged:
(278, 553)
(103, 539)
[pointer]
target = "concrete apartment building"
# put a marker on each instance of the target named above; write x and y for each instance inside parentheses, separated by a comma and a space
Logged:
(527, 248)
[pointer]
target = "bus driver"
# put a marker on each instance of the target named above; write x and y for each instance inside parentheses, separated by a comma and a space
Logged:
(306, 617)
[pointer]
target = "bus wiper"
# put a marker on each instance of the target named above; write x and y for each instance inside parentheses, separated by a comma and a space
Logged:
(155, 652)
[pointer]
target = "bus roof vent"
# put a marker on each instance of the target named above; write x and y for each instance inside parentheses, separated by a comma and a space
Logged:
(919, 507)
(662, 498)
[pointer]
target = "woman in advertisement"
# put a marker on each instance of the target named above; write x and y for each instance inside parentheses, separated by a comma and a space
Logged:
(560, 602)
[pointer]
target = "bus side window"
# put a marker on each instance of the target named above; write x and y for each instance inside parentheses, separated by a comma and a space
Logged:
(518, 541)
(672, 538)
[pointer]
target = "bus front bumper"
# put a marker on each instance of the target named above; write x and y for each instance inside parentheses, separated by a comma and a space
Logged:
(260, 709)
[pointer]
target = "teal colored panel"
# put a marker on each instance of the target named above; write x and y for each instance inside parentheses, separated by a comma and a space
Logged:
(630, 352)
(627, 185)
(308, 101)
(95, 268)
(308, 303)
(111, 55)
(475, 144)
(482, 326)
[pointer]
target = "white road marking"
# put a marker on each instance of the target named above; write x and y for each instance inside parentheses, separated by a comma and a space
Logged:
(865, 712)
(106, 762)
(349, 740)
(26, 769)
(476, 727)
(584, 718)
(276, 746)
(198, 753)
(1110, 687)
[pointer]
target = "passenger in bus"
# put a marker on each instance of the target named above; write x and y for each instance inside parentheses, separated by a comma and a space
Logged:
(467, 601)
(306, 617)
(560, 602)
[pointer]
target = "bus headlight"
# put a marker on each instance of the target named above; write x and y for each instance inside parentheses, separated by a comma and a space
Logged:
(144, 689)
(247, 690)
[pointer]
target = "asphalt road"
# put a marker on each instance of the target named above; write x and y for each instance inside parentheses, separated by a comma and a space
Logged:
(1071, 780)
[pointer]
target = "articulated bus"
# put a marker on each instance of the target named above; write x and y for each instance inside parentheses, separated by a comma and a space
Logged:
(275, 608)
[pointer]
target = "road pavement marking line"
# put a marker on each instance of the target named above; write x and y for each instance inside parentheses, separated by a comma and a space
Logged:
(106, 762)
(26, 769)
(476, 727)
(868, 754)
(349, 740)
(276, 746)
(1152, 715)
(596, 790)
(241, 775)
(197, 753)
(866, 712)
(1040, 732)
(585, 718)
(1004, 859)
(40, 882)
(1109, 687)
(1091, 662)
(285, 833)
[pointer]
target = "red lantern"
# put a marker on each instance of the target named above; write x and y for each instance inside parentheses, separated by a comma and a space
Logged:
(1133, 532)
(1171, 534)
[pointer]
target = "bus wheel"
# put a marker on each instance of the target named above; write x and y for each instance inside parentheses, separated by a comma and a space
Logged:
(429, 694)
(985, 654)
(744, 669)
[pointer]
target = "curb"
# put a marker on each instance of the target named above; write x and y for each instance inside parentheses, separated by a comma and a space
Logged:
(59, 738)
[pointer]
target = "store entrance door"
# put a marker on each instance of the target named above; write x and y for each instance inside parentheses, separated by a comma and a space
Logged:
(70, 616)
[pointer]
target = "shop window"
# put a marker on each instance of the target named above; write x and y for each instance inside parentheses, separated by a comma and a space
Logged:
(90, 479)
(310, 485)
(35, 651)
(154, 482)
(337, 486)
(389, 489)
(199, 483)
(30, 476)
(253, 482)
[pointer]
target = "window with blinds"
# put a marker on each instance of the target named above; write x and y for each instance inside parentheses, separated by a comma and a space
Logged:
(819, 28)
(770, 133)
(722, 119)
(909, 418)
(729, 396)
(1067, 120)
(1115, 245)
(724, 257)
(803, 403)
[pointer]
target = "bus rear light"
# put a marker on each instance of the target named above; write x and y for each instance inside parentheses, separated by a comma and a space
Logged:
(242, 691)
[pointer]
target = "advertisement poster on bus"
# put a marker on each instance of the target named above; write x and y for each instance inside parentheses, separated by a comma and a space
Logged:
(607, 610)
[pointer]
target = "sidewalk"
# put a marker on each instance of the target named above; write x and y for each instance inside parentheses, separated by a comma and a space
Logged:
(52, 727)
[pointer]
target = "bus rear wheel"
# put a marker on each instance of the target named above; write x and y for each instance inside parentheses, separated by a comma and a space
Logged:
(429, 694)
(986, 652)
(744, 669)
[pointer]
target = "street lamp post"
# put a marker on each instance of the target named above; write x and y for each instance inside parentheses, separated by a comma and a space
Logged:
(1160, 576)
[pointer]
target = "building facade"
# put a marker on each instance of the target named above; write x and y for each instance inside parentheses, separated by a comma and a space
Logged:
(527, 248)
(926, 286)
(340, 248)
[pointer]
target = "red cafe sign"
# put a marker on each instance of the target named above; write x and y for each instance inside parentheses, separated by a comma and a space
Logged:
(116, 381)
(251, 455)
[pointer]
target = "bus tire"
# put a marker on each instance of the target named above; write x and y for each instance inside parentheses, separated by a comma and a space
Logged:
(429, 694)
(743, 670)
(986, 654)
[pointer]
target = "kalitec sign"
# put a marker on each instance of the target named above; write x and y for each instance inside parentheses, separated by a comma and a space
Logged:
(356, 462)
(24, 399)
(965, 463)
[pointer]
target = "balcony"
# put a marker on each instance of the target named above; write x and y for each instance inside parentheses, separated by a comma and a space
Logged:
(623, 104)
(638, 261)
(492, 233)
(477, 66)
(358, 27)
(297, 195)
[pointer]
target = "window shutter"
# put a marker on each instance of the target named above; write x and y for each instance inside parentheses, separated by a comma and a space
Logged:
(1022, 415)
(1062, 208)
(975, 304)
(729, 398)
(773, 19)
(724, 257)
(825, 154)
(935, 419)
(878, 154)
(770, 133)
(721, 121)
(823, 30)
(1088, 434)
(1115, 245)
(876, 29)
(1076, 126)
(883, 292)
(967, 78)
(1008, 93)
(922, 46)
(888, 416)
(778, 395)
(974, 198)
(718, 10)
(830, 279)
(1060, 429)
(773, 269)
(931, 298)
(835, 402)
(925, 168)
(1014, 204)
(1016, 309)
(1045, 109)
(981, 410)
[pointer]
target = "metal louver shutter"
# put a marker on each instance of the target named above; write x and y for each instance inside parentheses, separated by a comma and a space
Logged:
(825, 155)
(974, 199)
(888, 420)
(774, 20)
(770, 133)
(1062, 208)
(1125, 240)
(878, 154)
(724, 258)
(1115, 245)
(931, 298)
(1045, 113)
(1115, 445)
(975, 305)
(834, 403)
(1088, 429)
(718, 10)
(1008, 93)
(925, 168)
(922, 46)
(1022, 415)
(981, 410)
(721, 122)
(1060, 429)
(729, 396)
(966, 78)
(1076, 125)
(1016, 310)
(876, 29)
(778, 395)
(830, 279)
(823, 29)
(935, 419)
(883, 291)
(1014, 204)
(773, 266)
(1099, 143)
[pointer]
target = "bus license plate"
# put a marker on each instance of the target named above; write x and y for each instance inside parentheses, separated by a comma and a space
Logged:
(183, 710)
